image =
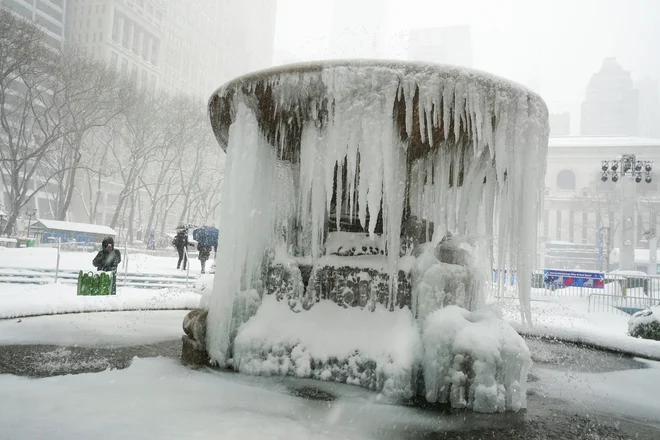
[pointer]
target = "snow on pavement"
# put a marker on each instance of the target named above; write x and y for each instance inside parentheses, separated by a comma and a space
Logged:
(157, 398)
(18, 300)
(96, 330)
(567, 318)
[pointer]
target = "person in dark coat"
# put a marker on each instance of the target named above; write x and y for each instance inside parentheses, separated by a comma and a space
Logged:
(180, 242)
(204, 254)
(207, 239)
(108, 259)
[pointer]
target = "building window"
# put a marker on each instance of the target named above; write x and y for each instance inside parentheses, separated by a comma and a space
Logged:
(124, 65)
(546, 223)
(113, 60)
(571, 226)
(585, 222)
(566, 180)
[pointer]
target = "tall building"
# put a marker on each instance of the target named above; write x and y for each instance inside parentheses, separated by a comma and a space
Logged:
(49, 15)
(560, 124)
(611, 106)
(179, 46)
(649, 108)
(358, 29)
(445, 45)
(128, 35)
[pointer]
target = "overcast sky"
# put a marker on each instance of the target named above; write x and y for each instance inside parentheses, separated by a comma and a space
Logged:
(553, 45)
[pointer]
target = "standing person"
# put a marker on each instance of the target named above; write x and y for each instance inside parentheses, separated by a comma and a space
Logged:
(151, 244)
(207, 239)
(108, 259)
(204, 254)
(180, 242)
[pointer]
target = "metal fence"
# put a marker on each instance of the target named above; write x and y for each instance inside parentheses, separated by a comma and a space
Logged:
(621, 293)
(14, 275)
(633, 285)
(624, 305)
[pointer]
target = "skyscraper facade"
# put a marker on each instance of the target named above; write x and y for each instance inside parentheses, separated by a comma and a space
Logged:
(49, 15)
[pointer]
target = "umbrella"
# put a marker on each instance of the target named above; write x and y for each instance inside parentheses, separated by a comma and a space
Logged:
(206, 236)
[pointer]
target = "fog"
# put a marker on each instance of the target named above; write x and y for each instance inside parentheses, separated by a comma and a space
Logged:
(553, 47)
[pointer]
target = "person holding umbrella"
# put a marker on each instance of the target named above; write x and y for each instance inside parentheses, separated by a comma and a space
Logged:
(207, 239)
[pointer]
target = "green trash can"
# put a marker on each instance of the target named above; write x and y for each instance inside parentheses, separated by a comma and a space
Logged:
(30, 242)
(96, 283)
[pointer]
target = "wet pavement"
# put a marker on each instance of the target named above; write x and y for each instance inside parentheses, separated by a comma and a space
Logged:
(545, 418)
(39, 361)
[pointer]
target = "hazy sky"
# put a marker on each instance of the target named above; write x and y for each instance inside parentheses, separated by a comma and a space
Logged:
(553, 45)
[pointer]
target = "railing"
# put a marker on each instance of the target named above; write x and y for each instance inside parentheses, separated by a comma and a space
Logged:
(624, 305)
(128, 279)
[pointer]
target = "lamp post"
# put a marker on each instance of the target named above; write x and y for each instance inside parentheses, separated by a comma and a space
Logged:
(652, 237)
(30, 213)
(631, 172)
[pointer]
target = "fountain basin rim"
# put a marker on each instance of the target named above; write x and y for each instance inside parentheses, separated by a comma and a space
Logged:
(407, 67)
(224, 95)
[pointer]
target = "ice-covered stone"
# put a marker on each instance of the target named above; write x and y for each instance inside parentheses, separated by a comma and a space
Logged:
(474, 360)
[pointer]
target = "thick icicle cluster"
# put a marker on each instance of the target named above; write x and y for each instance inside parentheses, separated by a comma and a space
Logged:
(480, 172)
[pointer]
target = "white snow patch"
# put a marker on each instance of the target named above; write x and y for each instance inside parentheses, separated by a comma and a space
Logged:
(159, 398)
(567, 318)
(94, 329)
(17, 300)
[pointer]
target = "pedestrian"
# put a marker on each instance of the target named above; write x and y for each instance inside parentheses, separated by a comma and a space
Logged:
(180, 242)
(207, 239)
(204, 254)
(108, 259)
(151, 243)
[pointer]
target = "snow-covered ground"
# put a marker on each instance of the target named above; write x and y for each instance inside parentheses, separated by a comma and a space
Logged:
(18, 300)
(159, 398)
(46, 258)
(97, 329)
(568, 318)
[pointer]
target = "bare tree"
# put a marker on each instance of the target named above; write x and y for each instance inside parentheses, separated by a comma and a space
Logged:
(31, 108)
(138, 137)
(94, 96)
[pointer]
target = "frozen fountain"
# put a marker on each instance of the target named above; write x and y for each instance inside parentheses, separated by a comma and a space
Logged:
(365, 206)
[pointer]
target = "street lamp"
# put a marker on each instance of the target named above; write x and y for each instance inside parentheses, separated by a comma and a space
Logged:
(30, 213)
(630, 171)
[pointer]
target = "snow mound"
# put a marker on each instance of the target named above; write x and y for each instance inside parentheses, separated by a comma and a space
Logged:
(645, 324)
(474, 360)
(377, 350)
(204, 284)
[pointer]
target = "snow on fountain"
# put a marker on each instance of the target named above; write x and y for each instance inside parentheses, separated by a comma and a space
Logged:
(461, 149)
